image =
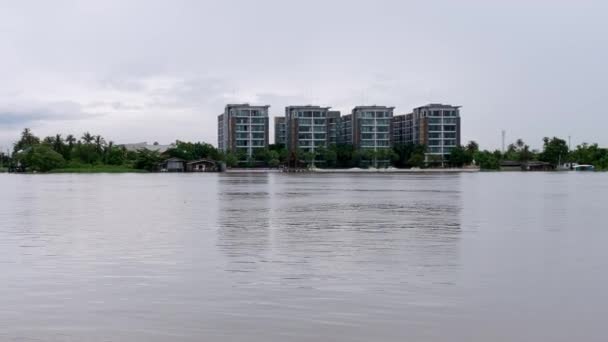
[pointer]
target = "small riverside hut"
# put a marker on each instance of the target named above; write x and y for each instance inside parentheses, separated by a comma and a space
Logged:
(202, 165)
(538, 166)
(510, 165)
(173, 165)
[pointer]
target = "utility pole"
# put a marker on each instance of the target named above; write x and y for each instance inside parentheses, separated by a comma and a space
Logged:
(504, 134)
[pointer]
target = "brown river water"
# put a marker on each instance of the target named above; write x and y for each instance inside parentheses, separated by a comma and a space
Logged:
(301, 257)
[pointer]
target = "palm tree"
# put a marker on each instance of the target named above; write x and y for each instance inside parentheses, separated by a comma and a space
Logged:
(71, 140)
(99, 142)
(87, 138)
(58, 143)
(108, 150)
(472, 146)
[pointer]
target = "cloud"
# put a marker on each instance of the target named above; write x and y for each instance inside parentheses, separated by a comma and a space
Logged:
(159, 71)
(19, 115)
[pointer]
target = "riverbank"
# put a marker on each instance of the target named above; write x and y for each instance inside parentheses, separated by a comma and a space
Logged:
(356, 170)
(394, 170)
(98, 169)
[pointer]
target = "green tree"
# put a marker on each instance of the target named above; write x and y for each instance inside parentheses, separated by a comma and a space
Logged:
(99, 143)
(87, 138)
(459, 156)
(384, 157)
(519, 151)
(329, 156)
(345, 155)
(472, 147)
(591, 155)
(488, 160)
(147, 160)
(416, 160)
(27, 140)
(231, 160)
(309, 158)
(554, 151)
(405, 152)
(262, 155)
(85, 153)
(40, 158)
(114, 155)
(71, 140)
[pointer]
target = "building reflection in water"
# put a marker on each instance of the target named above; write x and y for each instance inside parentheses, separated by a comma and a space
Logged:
(342, 230)
(243, 220)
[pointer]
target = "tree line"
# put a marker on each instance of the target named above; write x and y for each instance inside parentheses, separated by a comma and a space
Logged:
(555, 151)
(31, 153)
(90, 151)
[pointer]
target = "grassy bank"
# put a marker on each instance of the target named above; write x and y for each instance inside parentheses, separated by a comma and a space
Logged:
(97, 169)
(3, 169)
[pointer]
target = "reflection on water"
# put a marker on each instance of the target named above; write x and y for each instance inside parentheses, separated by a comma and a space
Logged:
(261, 257)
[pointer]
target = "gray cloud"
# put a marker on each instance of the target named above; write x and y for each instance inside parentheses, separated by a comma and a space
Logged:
(164, 70)
(24, 114)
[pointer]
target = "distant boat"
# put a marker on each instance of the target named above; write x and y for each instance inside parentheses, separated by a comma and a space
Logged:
(584, 168)
(576, 167)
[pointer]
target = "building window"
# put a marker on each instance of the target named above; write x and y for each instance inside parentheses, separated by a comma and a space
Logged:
(367, 136)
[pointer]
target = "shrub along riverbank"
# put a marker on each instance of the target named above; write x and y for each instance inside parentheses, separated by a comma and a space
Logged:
(92, 153)
(97, 169)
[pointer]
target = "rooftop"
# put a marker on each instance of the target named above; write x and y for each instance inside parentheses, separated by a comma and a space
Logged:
(145, 146)
(373, 107)
(438, 105)
(307, 107)
(245, 105)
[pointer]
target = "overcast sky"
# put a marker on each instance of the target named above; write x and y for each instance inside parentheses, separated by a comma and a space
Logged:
(163, 70)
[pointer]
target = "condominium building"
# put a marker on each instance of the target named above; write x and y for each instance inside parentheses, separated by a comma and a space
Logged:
(305, 127)
(367, 127)
(279, 130)
(401, 129)
(333, 126)
(435, 125)
(242, 128)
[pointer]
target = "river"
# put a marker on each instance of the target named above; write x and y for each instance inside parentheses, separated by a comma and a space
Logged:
(303, 257)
